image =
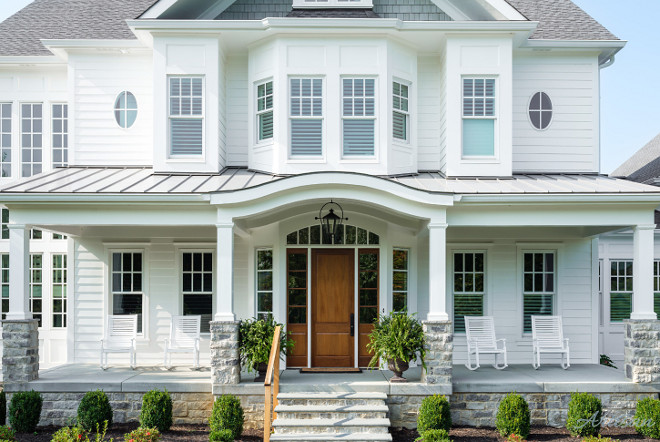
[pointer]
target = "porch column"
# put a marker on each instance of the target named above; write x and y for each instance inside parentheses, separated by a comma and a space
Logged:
(224, 308)
(437, 272)
(20, 352)
(642, 301)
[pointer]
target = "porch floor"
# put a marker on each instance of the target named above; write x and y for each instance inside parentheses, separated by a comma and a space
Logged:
(520, 378)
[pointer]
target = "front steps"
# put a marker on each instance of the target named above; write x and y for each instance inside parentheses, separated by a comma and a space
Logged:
(304, 416)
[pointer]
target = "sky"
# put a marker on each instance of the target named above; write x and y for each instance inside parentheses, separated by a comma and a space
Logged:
(630, 88)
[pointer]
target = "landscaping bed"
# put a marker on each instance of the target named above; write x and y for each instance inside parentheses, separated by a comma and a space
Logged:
(200, 433)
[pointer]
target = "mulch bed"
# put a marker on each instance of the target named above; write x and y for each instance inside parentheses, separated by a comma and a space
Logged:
(200, 433)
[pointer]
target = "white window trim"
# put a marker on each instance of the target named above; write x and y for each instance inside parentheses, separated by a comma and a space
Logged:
(358, 158)
(361, 4)
(300, 158)
(186, 158)
(556, 308)
(485, 304)
(124, 109)
(407, 113)
(496, 145)
(257, 113)
(179, 277)
(552, 111)
(144, 336)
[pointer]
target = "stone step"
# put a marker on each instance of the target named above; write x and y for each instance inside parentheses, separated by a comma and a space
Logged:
(332, 411)
(331, 426)
(302, 437)
(331, 399)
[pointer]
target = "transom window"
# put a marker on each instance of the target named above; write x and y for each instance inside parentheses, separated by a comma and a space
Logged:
(479, 115)
(125, 109)
(31, 138)
(358, 116)
(540, 110)
(186, 102)
(264, 267)
(346, 234)
(469, 286)
(538, 285)
(400, 112)
(197, 286)
(400, 280)
(621, 289)
(5, 140)
(126, 285)
(306, 112)
(265, 111)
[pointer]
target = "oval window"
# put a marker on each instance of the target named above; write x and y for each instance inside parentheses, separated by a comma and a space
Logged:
(540, 110)
(125, 109)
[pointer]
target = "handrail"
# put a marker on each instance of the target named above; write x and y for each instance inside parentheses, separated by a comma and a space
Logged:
(272, 384)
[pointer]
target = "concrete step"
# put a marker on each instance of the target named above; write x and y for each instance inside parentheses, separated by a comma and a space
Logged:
(303, 437)
(332, 411)
(331, 426)
(331, 399)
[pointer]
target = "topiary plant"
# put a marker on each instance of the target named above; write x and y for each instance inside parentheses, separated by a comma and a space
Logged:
(221, 436)
(584, 415)
(647, 418)
(434, 414)
(434, 436)
(156, 410)
(513, 416)
(94, 410)
(25, 411)
(227, 414)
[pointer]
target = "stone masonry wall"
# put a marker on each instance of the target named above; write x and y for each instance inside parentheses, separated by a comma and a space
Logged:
(439, 352)
(20, 354)
(642, 350)
(225, 363)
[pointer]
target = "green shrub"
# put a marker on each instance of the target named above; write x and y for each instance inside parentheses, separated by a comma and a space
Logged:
(3, 408)
(156, 410)
(70, 434)
(221, 436)
(142, 435)
(94, 409)
(227, 415)
(6, 433)
(584, 415)
(434, 414)
(434, 436)
(25, 410)
(647, 418)
(513, 416)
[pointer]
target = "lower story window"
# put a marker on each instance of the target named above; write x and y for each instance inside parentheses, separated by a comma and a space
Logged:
(469, 286)
(264, 283)
(621, 289)
(127, 292)
(538, 286)
(59, 290)
(400, 280)
(36, 286)
(197, 286)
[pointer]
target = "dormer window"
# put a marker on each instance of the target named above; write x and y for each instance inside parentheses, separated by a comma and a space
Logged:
(327, 4)
(186, 116)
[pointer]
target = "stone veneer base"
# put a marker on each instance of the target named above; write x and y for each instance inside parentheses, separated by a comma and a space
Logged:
(642, 350)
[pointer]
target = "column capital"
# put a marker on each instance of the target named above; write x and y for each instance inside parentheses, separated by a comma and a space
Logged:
(225, 225)
(17, 226)
(644, 227)
(435, 225)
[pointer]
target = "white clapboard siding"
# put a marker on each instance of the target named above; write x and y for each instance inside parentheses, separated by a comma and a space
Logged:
(222, 115)
(570, 143)
(98, 139)
(237, 109)
(429, 113)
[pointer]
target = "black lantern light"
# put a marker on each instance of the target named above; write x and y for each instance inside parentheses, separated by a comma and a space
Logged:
(330, 220)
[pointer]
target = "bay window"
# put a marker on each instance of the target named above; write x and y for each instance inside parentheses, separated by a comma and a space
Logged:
(306, 114)
(265, 111)
(186, 116)
(358, 116)
(479, 115)
(400, 111)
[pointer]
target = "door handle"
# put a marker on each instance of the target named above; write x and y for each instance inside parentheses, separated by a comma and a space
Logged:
(352, 324)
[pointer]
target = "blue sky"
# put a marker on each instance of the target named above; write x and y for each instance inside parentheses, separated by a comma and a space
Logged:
(630, 89)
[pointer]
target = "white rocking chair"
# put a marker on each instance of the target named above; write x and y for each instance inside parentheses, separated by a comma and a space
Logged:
(548, 337)
(184, 338)
(480, 331)
(120, 335)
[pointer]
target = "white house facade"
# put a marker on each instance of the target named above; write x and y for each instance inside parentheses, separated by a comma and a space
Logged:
(185, 148)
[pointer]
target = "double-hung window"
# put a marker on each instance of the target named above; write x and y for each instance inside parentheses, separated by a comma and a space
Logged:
(186, 116)
(197, 286)
(126, 285)
(31, 138)
(58, 290)
(306, 113)
(621, 289)
(264, 283)
(469, 286)
(5, 140)
(358, 116)
(400, 111)
(400, 280)
(539, 276)
(479, 114)
(60, 128)
(265, 111)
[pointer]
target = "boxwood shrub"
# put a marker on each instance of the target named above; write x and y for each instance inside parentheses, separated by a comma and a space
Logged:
(434, 414)
(647, 418)
(584, 415)
(434, 436)
(94, 410)
(221, 436)
(513, 416)
(156, 410)
(227, 414)
(25, 411)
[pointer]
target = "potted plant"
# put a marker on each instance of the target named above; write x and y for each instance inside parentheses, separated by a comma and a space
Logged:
(255, 338)
(397, 338)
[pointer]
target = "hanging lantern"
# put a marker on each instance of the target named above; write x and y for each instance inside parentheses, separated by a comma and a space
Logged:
(330, 220)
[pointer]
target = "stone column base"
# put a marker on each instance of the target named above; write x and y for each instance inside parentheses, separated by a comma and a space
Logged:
(641, 350)
(225, 363)
(20, 353)
(439, 352)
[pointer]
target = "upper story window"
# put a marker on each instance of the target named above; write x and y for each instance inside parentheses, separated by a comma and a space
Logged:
(306, 111)
(31, 138)
(265, 111)
(321, 4)
(540, 110)
(5, 140)
(358, 116)
(125, 109)
(186, 116)
(479, 116)
(400, 112)
(60, 128)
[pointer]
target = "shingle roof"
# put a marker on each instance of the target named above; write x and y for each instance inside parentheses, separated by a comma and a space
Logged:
(644, 165)
(105, 19)
(71, 19)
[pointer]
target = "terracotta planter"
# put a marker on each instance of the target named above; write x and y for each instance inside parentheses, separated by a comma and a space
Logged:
(398, 367)
(261, 369)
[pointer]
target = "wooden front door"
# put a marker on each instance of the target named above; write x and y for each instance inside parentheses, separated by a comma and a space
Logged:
(333, 307)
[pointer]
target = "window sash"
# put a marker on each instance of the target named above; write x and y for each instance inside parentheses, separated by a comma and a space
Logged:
(186, 110)
(60, 134)
(358, 117)
(469, 286)
(621, 289)
(306, 117)
(5, 139)
(59, 290)
(539, 285)
(264, 110)
(400, 279)
(31, 138)
(36, 287)
(264, 282)
(127, 284)
(197, 272)
(400, 110)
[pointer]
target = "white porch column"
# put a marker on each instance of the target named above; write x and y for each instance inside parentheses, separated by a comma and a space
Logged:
(19, 270)
(437, 272)
(643, 273)
(224, 308)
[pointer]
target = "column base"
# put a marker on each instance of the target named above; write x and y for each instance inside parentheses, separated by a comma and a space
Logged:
(20, 353)
(225, 360)
(224, 317)
(644, 316)
(642, 350)
(439, 352)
